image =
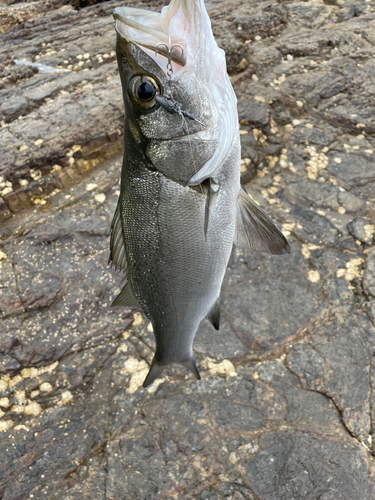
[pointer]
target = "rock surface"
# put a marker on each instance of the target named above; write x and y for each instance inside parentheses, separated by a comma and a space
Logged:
(285, 409)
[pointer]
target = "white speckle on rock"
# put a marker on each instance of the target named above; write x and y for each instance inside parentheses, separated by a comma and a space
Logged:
(66, 397)
(5, 425)
(4, 402)
(137, 319)
(138, 371)
(100, 197)
(225, 367)
(313, 276)
(45, 387)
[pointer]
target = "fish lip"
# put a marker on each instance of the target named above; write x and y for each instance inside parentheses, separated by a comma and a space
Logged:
(119, 14)
(153, 40)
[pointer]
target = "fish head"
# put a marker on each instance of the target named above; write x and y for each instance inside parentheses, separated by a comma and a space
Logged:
(173, 55)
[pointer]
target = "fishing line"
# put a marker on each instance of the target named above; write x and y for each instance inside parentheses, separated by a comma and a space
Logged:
(174, 107)
(211, 219)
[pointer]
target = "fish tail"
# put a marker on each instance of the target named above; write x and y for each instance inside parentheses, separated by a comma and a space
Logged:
(157, 368)
(192, 367)
(154, 373)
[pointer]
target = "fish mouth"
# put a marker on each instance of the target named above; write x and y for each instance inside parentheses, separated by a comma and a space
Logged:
(151, 31)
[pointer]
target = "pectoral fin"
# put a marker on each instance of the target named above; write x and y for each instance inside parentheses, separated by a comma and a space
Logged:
(117, 254)
(126, 298)
(214, 315)
(212, 195)
(255, 230)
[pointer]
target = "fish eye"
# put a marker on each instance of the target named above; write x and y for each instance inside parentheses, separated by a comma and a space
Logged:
(143, 90)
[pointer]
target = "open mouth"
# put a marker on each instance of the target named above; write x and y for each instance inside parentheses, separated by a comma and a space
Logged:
(151, 31)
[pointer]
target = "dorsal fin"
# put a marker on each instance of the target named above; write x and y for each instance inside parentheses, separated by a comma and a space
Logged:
(126, 298)
(117, 255)
(214, 315)
(255, 230)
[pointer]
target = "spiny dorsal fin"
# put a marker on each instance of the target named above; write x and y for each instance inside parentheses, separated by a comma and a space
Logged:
(255, 230)
(126, 298)
(117, 254)
(214, 315)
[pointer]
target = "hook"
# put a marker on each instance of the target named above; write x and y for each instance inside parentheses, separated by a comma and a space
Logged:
(169, 54)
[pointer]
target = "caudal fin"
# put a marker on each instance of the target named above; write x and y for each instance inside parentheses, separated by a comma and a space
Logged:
(156, 370)
(154, 373)
(191, 366)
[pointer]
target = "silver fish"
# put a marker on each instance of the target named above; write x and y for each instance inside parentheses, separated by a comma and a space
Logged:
(181, 205)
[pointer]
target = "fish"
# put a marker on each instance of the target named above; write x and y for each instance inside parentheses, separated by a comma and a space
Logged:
(181, 204)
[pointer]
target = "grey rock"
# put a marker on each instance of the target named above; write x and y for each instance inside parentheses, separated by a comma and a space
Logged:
(349, 201)
(361, 230)
(13, 107)
(285, 406)
(308, 474)
(369, 274)
(351, 167)
(256, 113)
(338, 367)
(8, 364)
(314, 194)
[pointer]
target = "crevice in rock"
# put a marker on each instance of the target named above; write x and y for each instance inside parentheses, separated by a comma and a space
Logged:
(333, 402)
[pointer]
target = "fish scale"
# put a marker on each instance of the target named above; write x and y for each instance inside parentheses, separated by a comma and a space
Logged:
(181, 205)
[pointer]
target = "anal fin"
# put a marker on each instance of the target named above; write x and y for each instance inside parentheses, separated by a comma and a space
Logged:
(126, 298)
(214, 315)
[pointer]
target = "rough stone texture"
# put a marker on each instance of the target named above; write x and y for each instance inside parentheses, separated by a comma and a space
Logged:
(285, 409)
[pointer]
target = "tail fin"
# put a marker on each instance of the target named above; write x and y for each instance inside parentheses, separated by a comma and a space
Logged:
(156, 370)
(191, 366)
(154, 373)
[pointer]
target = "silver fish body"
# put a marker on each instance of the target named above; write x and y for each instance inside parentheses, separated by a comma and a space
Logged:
(181, 205)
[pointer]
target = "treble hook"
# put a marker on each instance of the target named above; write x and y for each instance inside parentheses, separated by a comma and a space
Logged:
(169, 53)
